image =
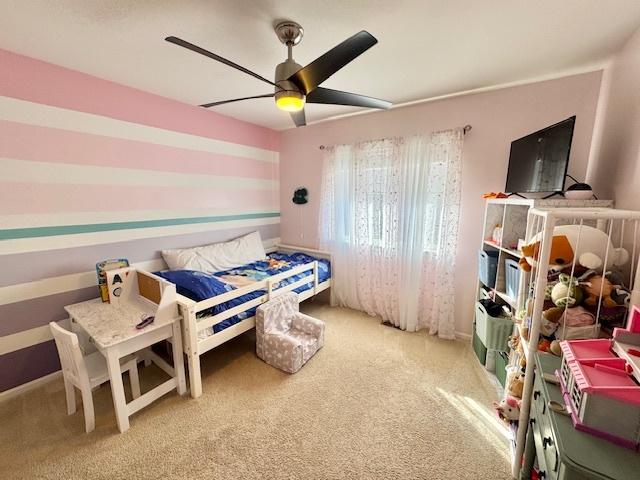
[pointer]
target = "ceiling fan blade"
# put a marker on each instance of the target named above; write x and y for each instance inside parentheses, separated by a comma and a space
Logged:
(308, 78)
(207, 53)
(299, 118)
(222, 102)
(338, 97)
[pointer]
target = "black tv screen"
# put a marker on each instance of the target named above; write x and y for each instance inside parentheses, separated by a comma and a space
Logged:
(539, 161)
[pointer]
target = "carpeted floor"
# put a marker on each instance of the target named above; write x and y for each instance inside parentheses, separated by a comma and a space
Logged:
(374, 403)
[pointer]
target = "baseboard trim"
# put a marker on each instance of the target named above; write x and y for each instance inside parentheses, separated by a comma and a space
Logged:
(25, 387)
(463, 336)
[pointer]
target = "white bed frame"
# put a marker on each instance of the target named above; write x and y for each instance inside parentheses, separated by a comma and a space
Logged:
(194, 346)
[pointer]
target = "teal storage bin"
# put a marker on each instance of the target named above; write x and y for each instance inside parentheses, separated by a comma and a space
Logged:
(511, 277)
(487, 267)
(494, 332)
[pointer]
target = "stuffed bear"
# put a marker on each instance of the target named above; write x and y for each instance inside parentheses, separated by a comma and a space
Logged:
(587, 245)
(515, 383)
(594, 286)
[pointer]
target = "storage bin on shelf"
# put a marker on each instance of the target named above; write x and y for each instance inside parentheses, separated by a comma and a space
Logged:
(493, 331)
(502, 361)
(487, 267)
(484, 293)
(478, 347)
(511, 277)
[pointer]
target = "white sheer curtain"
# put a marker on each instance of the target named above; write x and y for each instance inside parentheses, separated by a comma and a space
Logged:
(389, 215)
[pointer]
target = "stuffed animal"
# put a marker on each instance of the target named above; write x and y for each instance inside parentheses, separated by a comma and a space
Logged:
(594, 286)
(516, 346)
(550, 320)
(555, 348)
(544, 345)
(508, 409)
(587, 245)
(515, 383)
(566, 293)
(278, 264)
(615, 276)
(621, 296)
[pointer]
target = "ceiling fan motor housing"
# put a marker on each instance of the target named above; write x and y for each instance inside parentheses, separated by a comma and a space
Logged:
(283, 71)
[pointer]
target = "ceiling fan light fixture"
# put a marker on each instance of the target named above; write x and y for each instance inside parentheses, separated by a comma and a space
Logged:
(290, 100)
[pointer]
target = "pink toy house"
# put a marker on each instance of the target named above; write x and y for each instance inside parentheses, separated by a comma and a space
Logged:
(599, 392)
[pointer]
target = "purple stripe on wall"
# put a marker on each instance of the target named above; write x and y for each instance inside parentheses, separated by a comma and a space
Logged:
(36, 312)
(27, 364)
(32, 266)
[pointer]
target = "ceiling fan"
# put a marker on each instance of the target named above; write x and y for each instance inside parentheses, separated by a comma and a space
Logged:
(295, 85)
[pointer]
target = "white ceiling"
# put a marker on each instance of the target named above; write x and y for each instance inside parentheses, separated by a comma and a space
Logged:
(426, 48)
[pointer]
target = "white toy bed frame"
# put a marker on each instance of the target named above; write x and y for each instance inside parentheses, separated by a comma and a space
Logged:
(195, 346)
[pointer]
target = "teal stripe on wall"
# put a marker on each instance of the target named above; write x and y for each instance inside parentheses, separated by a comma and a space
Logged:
(15, 233)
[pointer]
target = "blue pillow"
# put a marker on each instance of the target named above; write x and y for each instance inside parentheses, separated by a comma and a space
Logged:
(196, 285)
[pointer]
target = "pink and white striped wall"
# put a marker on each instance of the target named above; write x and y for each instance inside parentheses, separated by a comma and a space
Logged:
(89, 170)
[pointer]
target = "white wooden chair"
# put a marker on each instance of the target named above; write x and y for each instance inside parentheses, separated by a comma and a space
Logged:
(86, 373)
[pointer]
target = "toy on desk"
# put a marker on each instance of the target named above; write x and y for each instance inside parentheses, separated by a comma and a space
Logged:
(146, 320)
(598, 386)
(152, 294)
(115, 283)
(101, 271)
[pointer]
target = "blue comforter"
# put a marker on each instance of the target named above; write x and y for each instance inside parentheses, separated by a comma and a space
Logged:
(199, 286)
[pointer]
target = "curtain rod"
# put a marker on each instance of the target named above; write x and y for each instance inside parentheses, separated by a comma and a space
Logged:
(465, 130)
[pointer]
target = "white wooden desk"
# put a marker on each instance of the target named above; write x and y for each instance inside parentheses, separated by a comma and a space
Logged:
(111, 328)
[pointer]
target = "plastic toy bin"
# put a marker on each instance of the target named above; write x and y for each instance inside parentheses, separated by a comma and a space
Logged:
(511, 277)
(487, 267)
(478, 347)
(493, 332)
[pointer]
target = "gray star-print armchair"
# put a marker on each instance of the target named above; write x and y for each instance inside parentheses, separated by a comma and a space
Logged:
(286, 338)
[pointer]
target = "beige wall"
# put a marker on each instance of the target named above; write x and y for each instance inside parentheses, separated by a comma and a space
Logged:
(617, 165)
(497, 117)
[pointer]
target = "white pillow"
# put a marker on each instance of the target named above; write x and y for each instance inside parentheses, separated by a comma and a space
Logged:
(217, 256)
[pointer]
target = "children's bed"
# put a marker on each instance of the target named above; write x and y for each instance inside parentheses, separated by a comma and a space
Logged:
(218, 307)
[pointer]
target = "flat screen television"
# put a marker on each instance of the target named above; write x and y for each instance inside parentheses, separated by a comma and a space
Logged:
(539, 161)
